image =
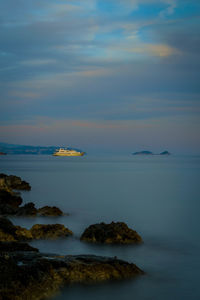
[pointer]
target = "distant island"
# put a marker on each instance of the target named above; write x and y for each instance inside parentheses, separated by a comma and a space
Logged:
(2, 153)
(25, 149)
(144, 152)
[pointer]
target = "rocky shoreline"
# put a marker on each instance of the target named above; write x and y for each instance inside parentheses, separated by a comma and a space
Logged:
(25, 273)
(33, 275)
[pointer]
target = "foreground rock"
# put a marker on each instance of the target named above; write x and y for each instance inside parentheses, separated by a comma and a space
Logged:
(27, 210)
(50, 231)
(16, 246)
(49, 211)
(10, 205)
(38, 276)
(113, 233)
(9, 202)
(14, 182)
(10, 232)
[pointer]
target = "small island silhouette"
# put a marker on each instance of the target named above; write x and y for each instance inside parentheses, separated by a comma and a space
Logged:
(145, 152)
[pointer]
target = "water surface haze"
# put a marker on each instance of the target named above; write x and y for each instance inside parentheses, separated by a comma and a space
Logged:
(158, 196)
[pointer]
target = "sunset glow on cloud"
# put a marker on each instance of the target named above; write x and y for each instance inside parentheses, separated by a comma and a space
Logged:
(104, 70)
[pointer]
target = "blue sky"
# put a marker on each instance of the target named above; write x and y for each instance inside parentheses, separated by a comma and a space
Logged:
(107, 75)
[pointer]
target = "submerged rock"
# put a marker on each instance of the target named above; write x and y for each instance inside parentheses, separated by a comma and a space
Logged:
(50, 231)
(113, 233)
(38, 276)
(14, 182)
(49, 211)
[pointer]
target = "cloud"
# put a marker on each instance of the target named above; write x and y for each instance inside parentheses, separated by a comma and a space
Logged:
(92, 62)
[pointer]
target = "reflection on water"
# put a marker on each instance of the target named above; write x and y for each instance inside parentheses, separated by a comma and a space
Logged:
(156, 196)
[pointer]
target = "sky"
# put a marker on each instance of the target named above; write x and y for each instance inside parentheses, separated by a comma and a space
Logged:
(108, 75)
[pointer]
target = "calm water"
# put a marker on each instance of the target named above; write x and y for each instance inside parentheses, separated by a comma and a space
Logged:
(159, 197)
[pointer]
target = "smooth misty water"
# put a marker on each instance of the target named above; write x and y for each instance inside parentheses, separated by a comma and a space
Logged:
(156, 196)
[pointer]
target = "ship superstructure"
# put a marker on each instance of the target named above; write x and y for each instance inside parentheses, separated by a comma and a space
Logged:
(67, 152)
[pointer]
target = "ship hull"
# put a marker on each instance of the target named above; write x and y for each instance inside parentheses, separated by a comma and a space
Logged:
(69, 154)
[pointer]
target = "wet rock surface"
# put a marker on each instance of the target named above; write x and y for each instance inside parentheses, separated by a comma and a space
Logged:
(113, 233)
(14, 182)
(49, 211)
(10, 232)
(32, 275)
(49, 231)
(9, 199)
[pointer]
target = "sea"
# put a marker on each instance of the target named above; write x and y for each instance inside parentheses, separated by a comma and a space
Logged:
(158, 196)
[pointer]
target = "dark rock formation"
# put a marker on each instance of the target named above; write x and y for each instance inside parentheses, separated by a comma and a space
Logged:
(15, 182)
(27, 210)
(49, 211)
(16, 246)
(10, 232)
(143, 153)
(10, 201)
(9, 198)
(50, 231)
(38, 276)
(113, 233)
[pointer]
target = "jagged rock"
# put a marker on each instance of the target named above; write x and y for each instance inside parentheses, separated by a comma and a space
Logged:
(113, 233)
(23, 234)
(50, 231)
(7, 230)
(49, 211)
(14, 182)
(10, 198)
(27, 210)
(6, 209)
(16, 246)
(32, 275)
(10, 232)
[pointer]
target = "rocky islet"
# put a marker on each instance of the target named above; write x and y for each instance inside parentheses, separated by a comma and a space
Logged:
(113, 233)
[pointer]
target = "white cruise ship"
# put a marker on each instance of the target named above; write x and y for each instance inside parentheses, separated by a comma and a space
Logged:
(67, 152)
